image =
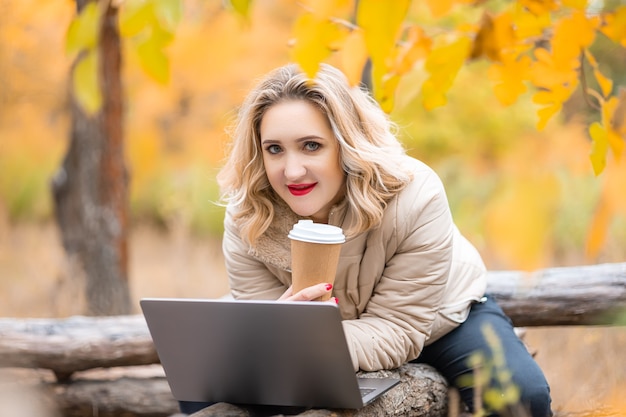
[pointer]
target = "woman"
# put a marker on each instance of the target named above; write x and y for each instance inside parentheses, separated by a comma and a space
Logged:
(409, 286)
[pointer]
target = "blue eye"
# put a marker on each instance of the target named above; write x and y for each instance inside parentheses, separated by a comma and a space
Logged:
(312, 146)
(273, 149)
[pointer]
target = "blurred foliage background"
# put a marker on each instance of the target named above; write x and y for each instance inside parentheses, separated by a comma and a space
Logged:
(525, 198)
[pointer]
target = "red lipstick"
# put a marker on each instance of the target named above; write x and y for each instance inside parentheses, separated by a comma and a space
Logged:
(301, 189)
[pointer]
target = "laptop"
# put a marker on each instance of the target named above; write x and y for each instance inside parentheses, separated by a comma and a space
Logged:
(257, 353)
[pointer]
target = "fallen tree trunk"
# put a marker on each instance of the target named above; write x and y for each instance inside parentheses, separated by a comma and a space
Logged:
(551, 297)
(126, 396)
(75, 344)
(422, 392)
(584, 295)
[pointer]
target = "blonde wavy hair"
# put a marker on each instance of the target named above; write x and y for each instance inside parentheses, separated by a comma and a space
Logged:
(371, 155)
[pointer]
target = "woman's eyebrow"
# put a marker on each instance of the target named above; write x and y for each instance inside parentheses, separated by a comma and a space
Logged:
(309, 137)
(266, 141)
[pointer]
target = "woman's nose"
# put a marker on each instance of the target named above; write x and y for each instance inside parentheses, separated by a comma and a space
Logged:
(294, 168)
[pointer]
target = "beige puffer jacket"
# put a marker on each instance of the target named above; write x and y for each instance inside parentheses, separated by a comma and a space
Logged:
(400, 286)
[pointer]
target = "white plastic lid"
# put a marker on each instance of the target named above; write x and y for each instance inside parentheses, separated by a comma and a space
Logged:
(307, 231)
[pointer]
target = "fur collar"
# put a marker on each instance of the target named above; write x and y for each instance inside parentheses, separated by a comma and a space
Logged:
(274, 247)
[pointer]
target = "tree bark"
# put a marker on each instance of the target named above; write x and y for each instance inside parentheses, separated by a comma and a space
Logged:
(127, 396)
(582, 295)
(76, 344)
(90, 189)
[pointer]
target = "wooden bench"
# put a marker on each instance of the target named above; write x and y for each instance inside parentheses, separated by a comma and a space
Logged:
(109, 364)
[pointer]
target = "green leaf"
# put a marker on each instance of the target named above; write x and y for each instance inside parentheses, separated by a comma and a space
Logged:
(86, 87)
(83, 30)
(169, 13)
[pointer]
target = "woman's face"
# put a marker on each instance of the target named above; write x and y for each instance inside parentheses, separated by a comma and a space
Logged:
(301, 157)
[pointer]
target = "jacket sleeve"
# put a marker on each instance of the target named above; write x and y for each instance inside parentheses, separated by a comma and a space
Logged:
(248, 277)
(400, 314)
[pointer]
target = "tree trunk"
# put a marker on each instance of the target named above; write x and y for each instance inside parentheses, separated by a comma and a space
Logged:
(90, 189)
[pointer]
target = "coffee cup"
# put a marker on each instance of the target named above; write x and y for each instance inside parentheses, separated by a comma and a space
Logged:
(315, 249)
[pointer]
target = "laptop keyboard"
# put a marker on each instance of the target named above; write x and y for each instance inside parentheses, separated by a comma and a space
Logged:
(365, 391)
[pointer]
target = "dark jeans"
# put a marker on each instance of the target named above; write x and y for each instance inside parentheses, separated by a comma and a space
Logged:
(451, 354)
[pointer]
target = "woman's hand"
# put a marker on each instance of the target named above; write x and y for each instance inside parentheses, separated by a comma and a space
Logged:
(308, 294)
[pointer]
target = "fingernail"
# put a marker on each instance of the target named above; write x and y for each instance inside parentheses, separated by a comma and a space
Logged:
(329, 287)
(336, 300)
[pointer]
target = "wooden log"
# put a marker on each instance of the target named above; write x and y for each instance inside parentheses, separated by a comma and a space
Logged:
(552, 297)
(126, 396)
(76, 343)
(422, 392)
(584, 295)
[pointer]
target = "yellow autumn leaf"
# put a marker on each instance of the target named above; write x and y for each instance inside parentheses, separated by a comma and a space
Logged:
(495, 35)
(572, 34)
(354, 56)
(83, 30)
(617, 120)
(528, 25)
(549, 71)
(599, 147)
(315, 40)
(509, 78)
(414, 48)
(615, 26)
(85, 83)
(553, 100)
(592, 60)
(241, 7)
(558, 94)
(153, 59)
(135, 16)
(546, 113)
(606, 84)
(540, 7)
(381, 22)
(443, 64)
(387, 92)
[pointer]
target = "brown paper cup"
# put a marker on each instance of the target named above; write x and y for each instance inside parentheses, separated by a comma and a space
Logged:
(313, 263)
(315, 250)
